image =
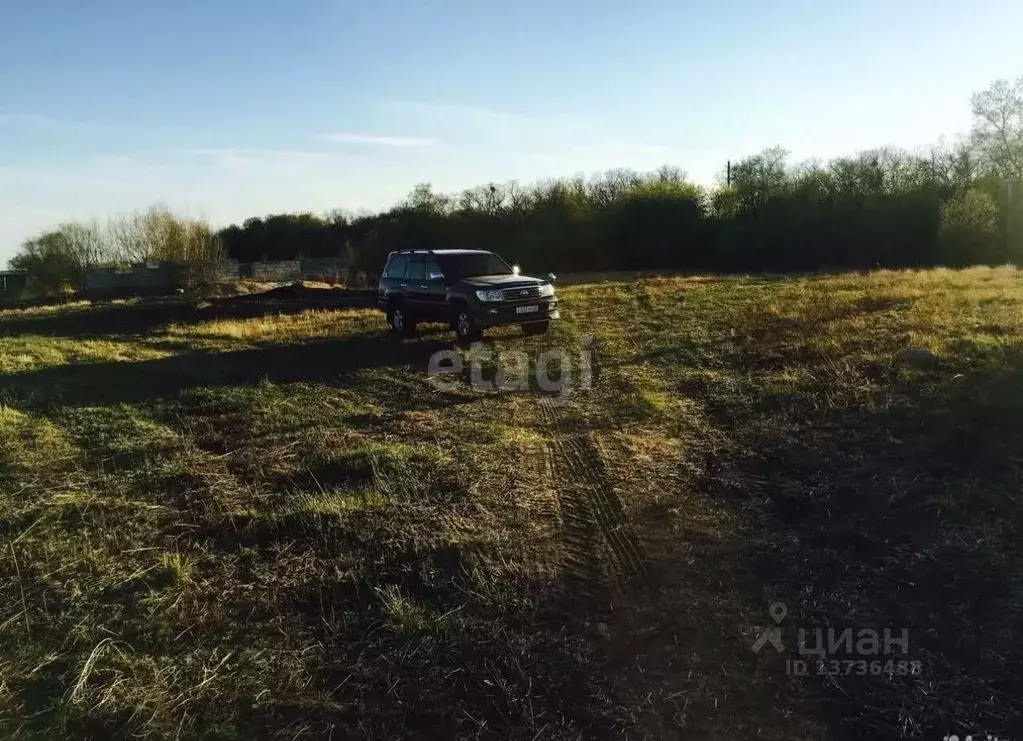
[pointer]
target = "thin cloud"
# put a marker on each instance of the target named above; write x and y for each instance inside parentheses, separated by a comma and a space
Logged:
(37, 122)
(477, 120)
(619, 149)
(235, 156)
(378, 140)
(262, 164)
(475, 124)
(217, 152)
(458, 111)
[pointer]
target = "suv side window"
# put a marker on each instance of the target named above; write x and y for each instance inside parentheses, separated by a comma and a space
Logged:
(416, 270)
(433, 271)
(396, 267)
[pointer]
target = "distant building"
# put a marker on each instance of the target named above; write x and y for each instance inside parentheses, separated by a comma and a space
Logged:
(12, 283)
(163, 278)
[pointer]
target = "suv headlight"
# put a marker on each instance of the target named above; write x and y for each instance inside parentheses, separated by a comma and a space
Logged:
(547, 289)
(490, 295)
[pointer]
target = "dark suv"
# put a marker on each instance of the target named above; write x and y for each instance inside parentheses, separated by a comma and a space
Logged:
(466, 289)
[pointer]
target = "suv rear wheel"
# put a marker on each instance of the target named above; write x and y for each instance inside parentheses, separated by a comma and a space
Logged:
(465, 325)
(401, 322)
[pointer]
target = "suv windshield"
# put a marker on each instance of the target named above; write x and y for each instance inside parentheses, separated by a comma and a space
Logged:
(469, 264)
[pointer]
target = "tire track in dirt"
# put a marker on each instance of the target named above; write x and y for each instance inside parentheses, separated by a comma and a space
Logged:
(600, 545)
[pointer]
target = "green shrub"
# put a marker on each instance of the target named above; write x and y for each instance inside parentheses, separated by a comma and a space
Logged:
(969, 229)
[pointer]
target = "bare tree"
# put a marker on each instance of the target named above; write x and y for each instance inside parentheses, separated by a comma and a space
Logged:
(127, 237)
(85, 243)
(61, 258)
(998, 127)
(953, 166)
(755, 179)
(338, 217)
(518, 197)
(669, 174)
(470, 200)
(612, 185)
(424, 199)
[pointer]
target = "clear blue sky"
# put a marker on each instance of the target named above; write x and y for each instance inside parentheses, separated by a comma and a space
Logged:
(226, 109)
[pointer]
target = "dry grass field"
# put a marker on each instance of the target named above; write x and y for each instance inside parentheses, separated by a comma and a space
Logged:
(276, 527)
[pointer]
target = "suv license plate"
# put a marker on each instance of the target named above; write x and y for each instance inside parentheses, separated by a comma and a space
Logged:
(526, 309)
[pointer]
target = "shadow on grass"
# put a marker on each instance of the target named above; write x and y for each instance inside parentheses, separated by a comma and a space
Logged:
(108, 320)
(124, 382)
(99, 321)
(907, 519)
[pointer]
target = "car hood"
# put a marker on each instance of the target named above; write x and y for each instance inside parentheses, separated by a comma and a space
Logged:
(500, 281)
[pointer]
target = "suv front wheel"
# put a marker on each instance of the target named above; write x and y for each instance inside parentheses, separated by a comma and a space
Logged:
(465, 325)
(400, 321)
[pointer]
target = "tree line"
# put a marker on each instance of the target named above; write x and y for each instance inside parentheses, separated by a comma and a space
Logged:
(954, 204)
(59, 259)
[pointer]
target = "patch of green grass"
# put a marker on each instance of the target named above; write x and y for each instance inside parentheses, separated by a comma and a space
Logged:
(406, 618)
(342, 502)
(21, 354)
(273, 329)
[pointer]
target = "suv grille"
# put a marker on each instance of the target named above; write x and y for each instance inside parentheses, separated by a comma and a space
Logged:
(521, 293)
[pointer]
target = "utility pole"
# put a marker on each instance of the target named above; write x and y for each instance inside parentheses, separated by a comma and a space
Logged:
(728, 176)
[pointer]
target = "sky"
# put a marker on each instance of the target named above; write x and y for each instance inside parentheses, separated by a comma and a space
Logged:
(226, 109)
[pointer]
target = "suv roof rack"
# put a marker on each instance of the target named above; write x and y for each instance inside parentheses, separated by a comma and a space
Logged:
(409, 252)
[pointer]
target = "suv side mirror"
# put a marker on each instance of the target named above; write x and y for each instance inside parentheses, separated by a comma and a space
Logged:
(551, 277)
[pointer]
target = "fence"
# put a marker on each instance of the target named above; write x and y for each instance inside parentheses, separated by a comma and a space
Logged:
(226, 272)
(324, 268)
(144, 277)
(284, 271)
(165, 278)
(271, 272)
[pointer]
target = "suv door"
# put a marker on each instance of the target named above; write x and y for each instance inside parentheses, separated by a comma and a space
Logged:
(415, 292)
(435, 296)
(392, 282)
